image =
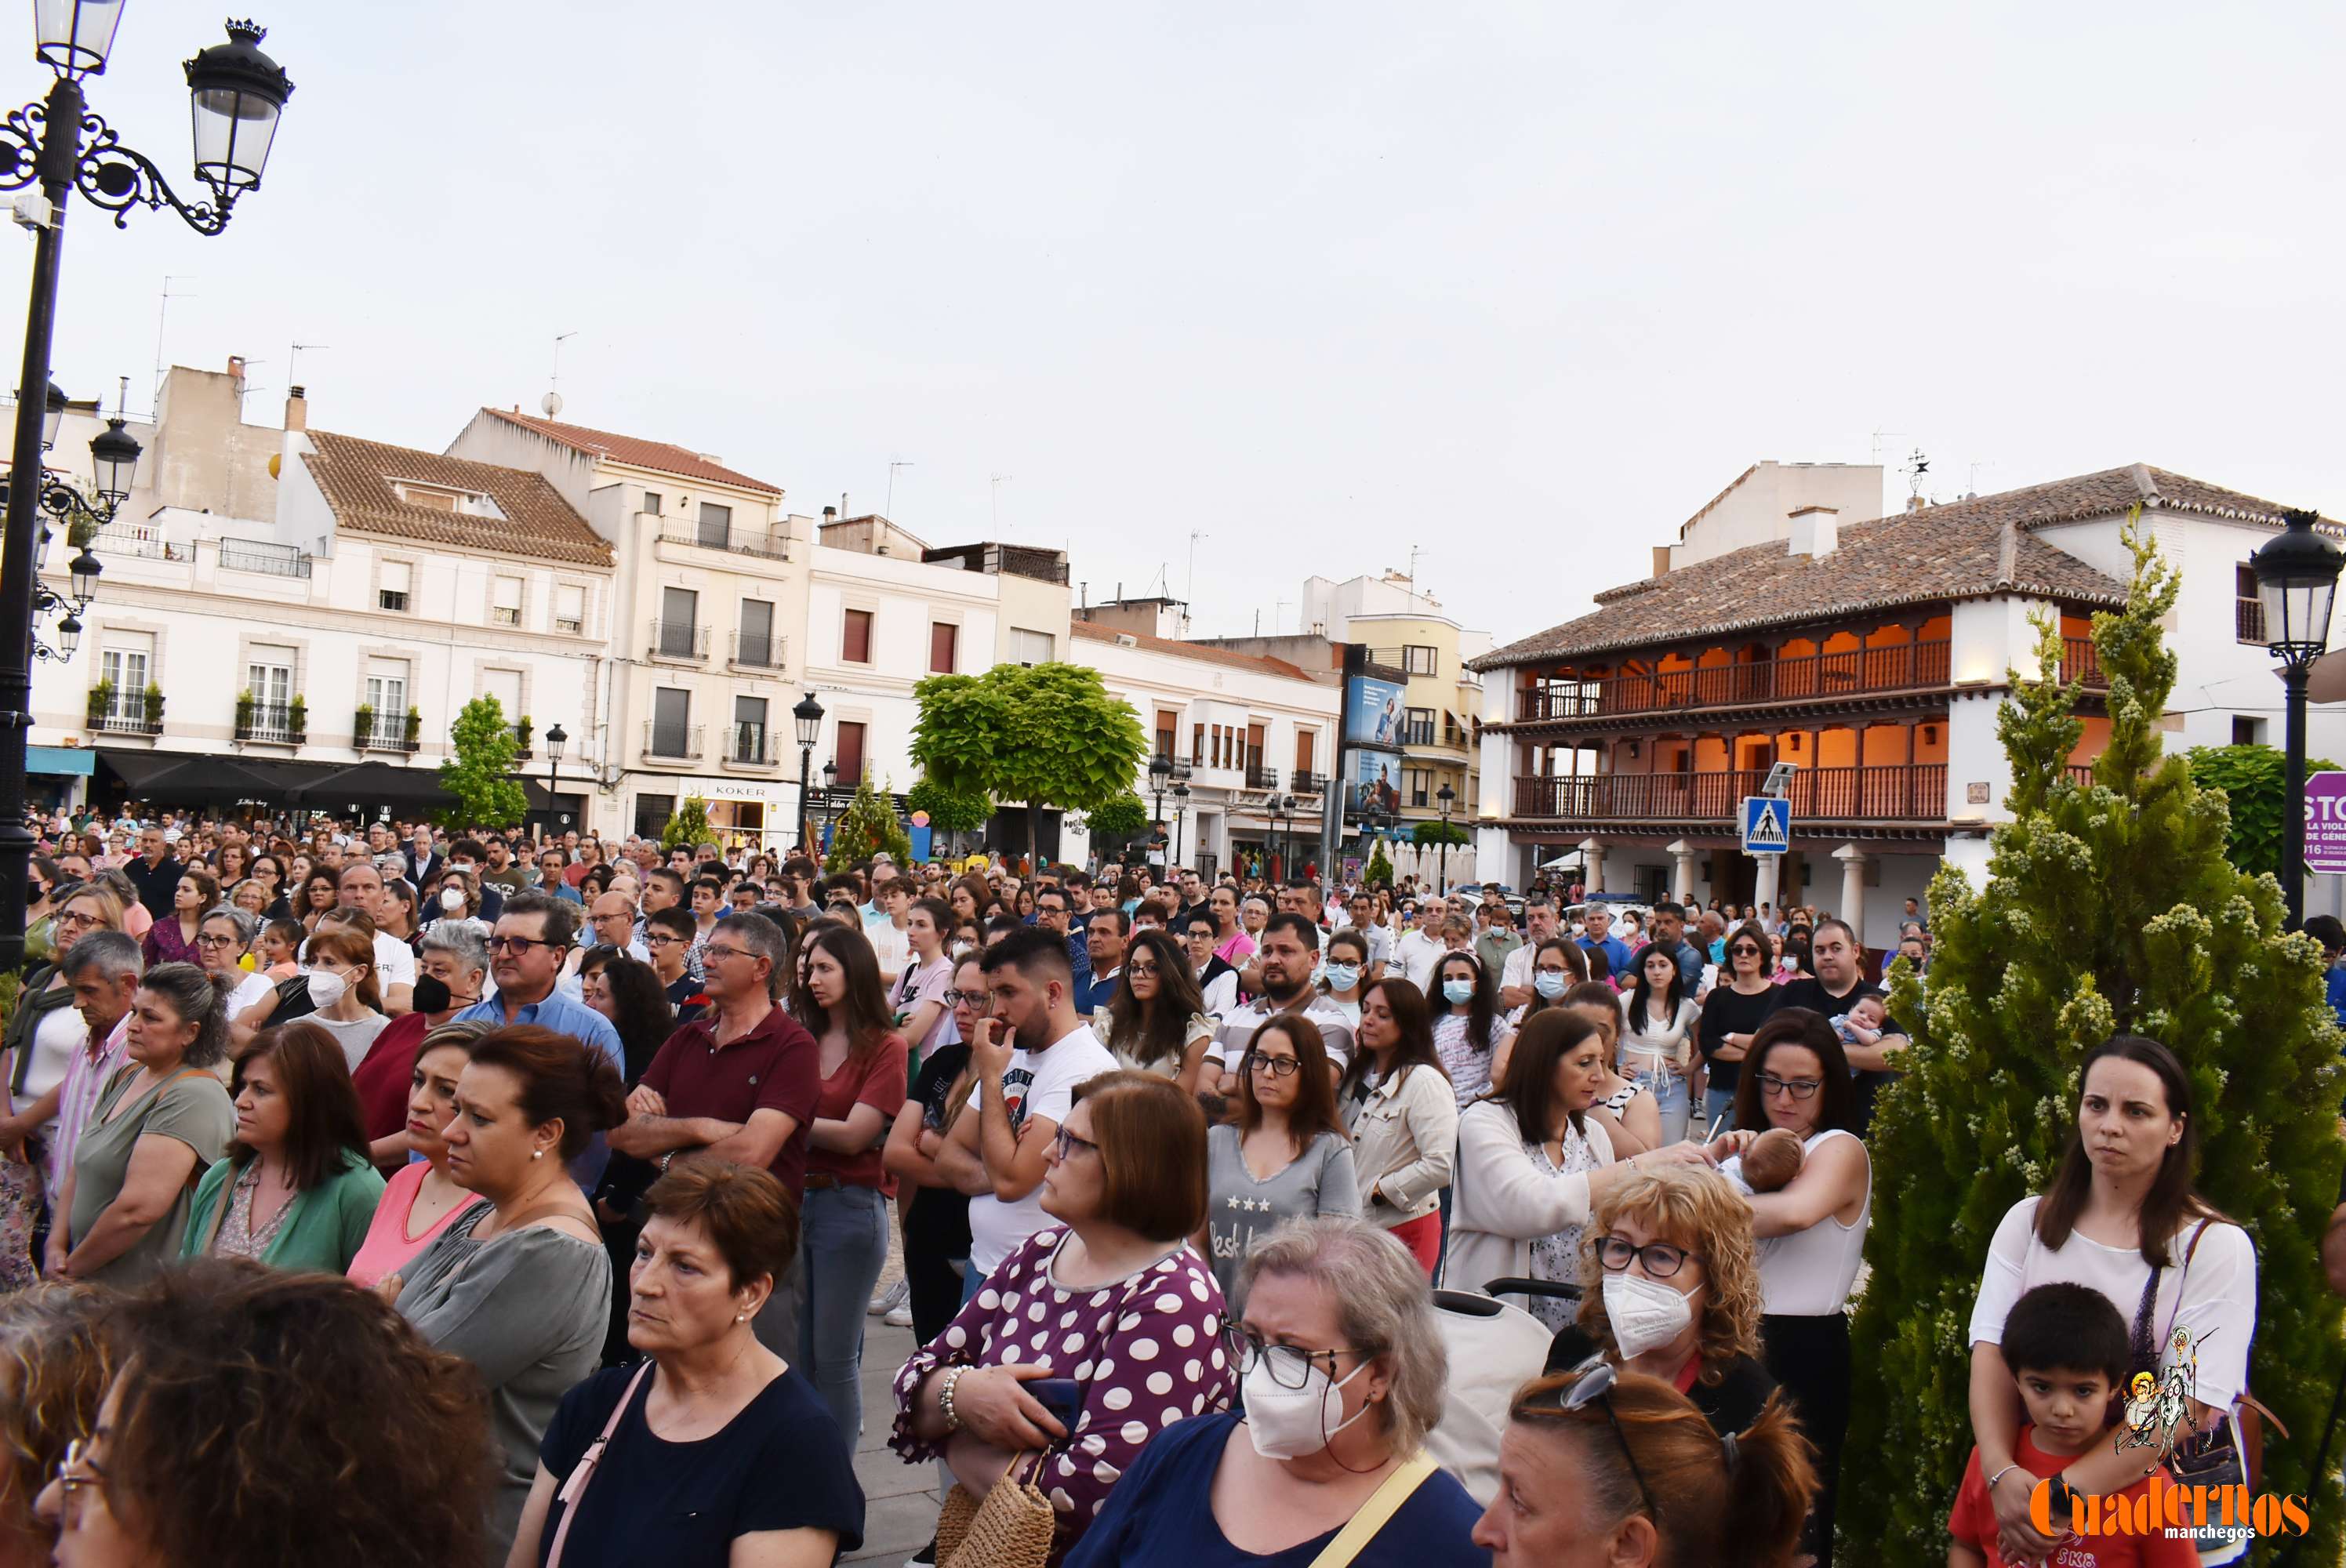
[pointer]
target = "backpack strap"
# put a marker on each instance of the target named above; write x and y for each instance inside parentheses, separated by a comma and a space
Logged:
(1376, 1512)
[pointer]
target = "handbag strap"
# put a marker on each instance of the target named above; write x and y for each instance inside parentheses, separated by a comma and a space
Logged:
(575, 1488)
(1382, 1505)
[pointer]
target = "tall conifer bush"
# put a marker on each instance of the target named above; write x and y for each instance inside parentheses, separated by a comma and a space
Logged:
(2109, 907)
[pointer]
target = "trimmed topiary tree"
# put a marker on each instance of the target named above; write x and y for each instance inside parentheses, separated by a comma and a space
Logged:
(687, 827)
(866, 828)
(2109, 907)
(1379, 872)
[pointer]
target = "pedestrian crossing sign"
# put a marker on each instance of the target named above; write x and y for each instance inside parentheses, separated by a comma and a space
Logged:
(1767, 825)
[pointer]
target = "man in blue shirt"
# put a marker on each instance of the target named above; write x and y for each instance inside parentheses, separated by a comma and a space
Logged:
(533, 938)
(1595, 935)
(1051, 911)
(1669, 935)
(1105, 939)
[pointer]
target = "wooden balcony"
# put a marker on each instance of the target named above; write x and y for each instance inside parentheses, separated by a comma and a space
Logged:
(1894, 792)
(2081, 661)
(1853, 672)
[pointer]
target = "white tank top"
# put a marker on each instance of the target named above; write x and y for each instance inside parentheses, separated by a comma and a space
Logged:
(1808, 1273)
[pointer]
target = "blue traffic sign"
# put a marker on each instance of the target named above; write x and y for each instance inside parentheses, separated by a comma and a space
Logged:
(1767, 825)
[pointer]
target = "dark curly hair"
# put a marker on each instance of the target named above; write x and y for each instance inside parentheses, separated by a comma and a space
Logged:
(270, 1417)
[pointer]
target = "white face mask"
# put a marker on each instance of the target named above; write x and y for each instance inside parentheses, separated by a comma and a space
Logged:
(326, 987)
(1646, 1314)
(1288, 1423)
(452, 900)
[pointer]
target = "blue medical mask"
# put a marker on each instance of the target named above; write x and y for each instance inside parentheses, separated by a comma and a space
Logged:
(1343, 976)
(1549, 983)
(1457, 992)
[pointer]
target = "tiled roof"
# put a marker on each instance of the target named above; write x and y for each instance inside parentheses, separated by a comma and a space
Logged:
(1092, 631)
(656, 455)
(356, 477)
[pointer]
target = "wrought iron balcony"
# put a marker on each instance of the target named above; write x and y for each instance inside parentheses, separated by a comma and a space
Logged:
(749, 744)
(273, 724)
(753, 650)
(679, 640)
(682, 741)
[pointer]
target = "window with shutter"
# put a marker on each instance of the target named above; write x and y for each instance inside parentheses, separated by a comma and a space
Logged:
(570, 608)
(945, 644)
(394, 584)
(849, 754)
(855, 640)
(505, 602)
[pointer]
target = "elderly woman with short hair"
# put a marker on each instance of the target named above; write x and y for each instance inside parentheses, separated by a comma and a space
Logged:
(1344, 1371)
(708, 1409)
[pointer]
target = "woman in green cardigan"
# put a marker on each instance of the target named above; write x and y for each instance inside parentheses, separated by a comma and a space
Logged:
(296, 1190)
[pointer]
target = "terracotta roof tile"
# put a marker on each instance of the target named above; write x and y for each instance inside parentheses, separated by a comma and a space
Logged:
(356, 476)
(661, 455)
(1092, 631)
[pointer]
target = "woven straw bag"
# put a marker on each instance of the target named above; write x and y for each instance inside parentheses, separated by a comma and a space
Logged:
(1011, 1529)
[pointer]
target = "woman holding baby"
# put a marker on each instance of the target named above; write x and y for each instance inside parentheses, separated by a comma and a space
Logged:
(1811, 1230)
(1531, 1160)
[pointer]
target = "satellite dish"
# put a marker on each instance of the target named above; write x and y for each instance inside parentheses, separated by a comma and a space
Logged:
(551, 403)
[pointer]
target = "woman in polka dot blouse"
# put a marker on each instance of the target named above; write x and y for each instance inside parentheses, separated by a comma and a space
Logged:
(1111, 1298)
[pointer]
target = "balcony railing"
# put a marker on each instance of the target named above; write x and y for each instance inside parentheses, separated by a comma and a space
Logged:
(734, 540)
(1417, 734)
(2081, 661)
(755, 650)
(1307, 782)
(272, 724)
(750, 744)
(260, 556)
(1180, 766)
(134, 539)
(1852, 671)
(2249, 621)
(135, 723)
(671, 740)
(1260, 778)
(1896, 792)
(385, 731)
(678, 639)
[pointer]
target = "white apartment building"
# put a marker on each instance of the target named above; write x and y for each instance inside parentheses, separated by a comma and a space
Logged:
(706, 627)
(312, 611)
(1226, 720)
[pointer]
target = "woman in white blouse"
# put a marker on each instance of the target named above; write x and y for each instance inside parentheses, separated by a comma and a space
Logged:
(1531, 1160)
(1397, 1101)
(1659, 1026)
(2121, 1217)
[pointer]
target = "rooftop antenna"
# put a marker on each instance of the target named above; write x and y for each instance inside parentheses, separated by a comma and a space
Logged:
(163, 316)
(1188, 592)
(247, 389)
(890, 512)
(1971, 487)
(1882, 438)
(293, 360)
(996, 486)
(552, 402)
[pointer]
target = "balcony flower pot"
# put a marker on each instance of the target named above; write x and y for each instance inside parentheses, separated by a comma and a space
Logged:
(154, 706)
(414, 728)
(362, 724)
(101, 702)
(297, 718)
(244, 708)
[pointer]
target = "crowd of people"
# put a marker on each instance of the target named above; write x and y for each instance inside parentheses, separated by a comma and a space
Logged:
(573, 1168)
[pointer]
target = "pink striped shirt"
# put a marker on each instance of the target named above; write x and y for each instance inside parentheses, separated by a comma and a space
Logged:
(86, 1075)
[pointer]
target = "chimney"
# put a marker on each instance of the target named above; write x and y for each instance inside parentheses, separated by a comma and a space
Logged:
(830, 515)
(297, 408)
(1661, 560)
(1816, 530)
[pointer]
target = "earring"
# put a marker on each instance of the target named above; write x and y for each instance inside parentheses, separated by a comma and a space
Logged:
(740, 1317)
(537, 1154)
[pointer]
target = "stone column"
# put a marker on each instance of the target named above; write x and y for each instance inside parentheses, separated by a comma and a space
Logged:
(1853, 887)
(1592, 858)
(1682, 877)
(1765, 895)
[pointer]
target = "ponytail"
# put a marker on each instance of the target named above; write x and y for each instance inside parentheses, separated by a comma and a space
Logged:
(1770, 1479)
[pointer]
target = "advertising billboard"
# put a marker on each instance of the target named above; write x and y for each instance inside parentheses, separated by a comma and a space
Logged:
(1373, 713)
(1373, 783)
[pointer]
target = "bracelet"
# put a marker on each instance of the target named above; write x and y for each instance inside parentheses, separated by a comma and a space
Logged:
(664, 1161)
(945, 1385)
(2000, 1474)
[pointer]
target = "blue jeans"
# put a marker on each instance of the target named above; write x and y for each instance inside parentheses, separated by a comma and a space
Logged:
(1670, 1098)
(844, 1242)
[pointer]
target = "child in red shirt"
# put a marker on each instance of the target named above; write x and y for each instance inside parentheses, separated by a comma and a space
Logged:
(2066, 1348)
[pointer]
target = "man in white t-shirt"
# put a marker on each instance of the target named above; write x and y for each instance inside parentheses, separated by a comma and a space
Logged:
(1024, 1061)
(1421, 947)
(1360, 914)
(361, 887)
(1539, 926)
(1286, 961)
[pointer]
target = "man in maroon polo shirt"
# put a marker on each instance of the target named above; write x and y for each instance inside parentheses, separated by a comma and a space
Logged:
(738, 1083)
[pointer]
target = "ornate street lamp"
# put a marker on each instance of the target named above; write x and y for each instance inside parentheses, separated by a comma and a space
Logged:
(1446, 797)
(556, 737)
(1180, 809)
(236, 94)
(2297, 579)
(808, 716)
(1160, 770)
(114, 460)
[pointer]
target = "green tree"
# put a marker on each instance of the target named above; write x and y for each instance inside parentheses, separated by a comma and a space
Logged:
(479, 769)
(1433, 835)
(687, 827)
(1120, 821)
(1379, 867)
(2109, 907)
(950, 811)
(867, 827)
(2254, 779)
(1046, 734)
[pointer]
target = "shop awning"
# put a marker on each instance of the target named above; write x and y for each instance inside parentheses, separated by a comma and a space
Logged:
(371, 784)
(134, 769)
(60, 761)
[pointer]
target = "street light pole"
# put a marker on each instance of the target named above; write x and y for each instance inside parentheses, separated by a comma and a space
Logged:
(556, 739)
(1447, 796)
(2296, 582)
(238, 94)
(1180, 811)
(808, 715)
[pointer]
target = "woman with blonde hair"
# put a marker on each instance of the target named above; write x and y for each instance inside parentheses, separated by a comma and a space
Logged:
(53, 1369)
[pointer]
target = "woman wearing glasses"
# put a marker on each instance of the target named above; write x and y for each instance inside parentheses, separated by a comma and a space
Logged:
(1732, 1015)
(1288, 1156)
(1601, 1468)
(222, 942)
(1156, 1020)
(1811, 1233)
(1344, 1371)
(936, 1221)
(1532, 1160)
(1110, 1299)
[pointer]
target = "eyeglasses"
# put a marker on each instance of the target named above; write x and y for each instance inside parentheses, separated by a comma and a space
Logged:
(1290, 1365)
(76, 917)
(516, 944)
(75, 1470)
(1277, 1066)
(650, 940)
(1592, 1384)
(1662, 1260)
(1799, 1088)
(1068, 1142)
(1141, 971)
(207, 939)
(1743, 947)
(713, 950)
(978, 1000)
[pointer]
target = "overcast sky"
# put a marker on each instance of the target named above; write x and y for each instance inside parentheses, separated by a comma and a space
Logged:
(1515, 287)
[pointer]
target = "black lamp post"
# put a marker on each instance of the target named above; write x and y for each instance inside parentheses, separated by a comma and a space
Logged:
(830, 784)
(556, 739)
(1446, 797)
(1279, 807)
(1160, 770)
(808, 716)
(2297, 579)
(1180, 809)
(236, 94)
